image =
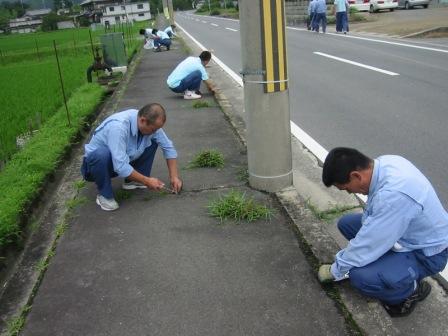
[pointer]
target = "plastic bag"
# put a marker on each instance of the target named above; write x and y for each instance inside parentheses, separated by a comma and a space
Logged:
(149, 44)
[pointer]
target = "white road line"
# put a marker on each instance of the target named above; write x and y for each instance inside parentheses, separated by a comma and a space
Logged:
(379, 41)
(390, 73)
(204, 21)
(214, 24)
(314, 147)
(231, 29)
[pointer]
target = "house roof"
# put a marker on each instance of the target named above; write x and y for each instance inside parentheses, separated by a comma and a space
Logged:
(37, 12)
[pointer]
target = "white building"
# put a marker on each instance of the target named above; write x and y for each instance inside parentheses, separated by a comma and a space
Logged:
(115, 13)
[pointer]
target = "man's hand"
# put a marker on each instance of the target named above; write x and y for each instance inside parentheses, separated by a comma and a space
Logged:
(176, 184)
(154, 183)
(324, 273)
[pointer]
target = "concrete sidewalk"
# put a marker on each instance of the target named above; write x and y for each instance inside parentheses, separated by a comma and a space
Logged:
(160, 265)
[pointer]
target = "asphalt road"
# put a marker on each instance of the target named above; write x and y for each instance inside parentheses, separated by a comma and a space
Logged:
(398, 104)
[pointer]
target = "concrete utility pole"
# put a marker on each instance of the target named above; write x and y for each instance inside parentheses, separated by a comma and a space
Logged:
(165, 8)
(171, 11)
(266, 95)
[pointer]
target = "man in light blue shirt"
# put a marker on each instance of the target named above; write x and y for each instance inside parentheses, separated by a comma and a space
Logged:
(124, 145)
(160, 39)
(187, 76)
(170, 30)
(320, 16)
(340, 9)
(401, 237)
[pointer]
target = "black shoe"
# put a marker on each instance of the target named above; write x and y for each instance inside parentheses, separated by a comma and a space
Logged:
(198, 92)
(158, 49)
(167, 47)
(408, 305)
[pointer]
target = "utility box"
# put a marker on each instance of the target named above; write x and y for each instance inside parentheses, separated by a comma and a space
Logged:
(114, 51)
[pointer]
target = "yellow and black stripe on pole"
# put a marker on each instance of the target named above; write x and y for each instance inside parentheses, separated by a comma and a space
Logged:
(274, 45)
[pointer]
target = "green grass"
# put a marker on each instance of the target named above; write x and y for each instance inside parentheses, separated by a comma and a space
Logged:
(207, 159)
(24, 175)
(201, 104)
(236, 206)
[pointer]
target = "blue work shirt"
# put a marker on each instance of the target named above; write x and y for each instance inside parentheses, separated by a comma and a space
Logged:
(120, 134)
(162, 35)
(169, 30)
(311, 8)
(403, 213)
(185, 68)
(320, 6)
(341, 5)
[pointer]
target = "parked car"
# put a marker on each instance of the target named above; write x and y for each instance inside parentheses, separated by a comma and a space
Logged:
(408, 4)
(360, 5)
(376, 5)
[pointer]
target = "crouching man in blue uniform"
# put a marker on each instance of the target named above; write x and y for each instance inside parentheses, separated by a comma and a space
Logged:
(125, 145)
(399, 239)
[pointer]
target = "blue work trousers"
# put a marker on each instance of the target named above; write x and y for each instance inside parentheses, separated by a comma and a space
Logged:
(97, 167)
(391, 278)
(341, 22)
(320, 19)
(164, 42)
(192, 82)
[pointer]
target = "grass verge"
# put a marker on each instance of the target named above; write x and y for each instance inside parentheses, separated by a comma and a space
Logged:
(23, 177)
(235, 205)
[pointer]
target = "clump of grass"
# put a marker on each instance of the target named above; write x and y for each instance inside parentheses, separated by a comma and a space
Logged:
(200, 104)
(207, 158)
(235, 205)
(121, 195)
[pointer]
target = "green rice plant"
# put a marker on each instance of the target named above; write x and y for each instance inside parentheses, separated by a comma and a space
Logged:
(23, 176)
(207, 159)
(235, 205)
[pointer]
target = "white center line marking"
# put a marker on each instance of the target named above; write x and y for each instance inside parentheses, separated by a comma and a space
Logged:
(231, 29)
(214, 24)
(204, 21)
(390, 73)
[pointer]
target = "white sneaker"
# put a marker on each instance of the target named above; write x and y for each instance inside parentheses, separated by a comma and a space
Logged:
(107, 204)
(191, 95)
(131, 185)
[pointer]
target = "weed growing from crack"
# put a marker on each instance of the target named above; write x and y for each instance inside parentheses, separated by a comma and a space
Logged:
(79, 184)
(330, 214)
(121, 195)
(235, 205)
(207, 158)
(60, 229)
(15, 325)
(73, 203)
(243, 174)
(200, 104)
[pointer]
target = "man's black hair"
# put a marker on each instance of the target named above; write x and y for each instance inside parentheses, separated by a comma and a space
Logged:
(142, 31)
(340, 162)
(152, 112)
(173, 26)
(154, 31)
(205, 56)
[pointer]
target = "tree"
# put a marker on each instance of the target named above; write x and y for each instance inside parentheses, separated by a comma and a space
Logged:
(50, 21)
(5, 16)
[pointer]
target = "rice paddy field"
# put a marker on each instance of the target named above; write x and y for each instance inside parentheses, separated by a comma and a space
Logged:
(30, 86)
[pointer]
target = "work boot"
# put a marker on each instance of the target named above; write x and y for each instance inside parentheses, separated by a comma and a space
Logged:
(408, 305)
(107, 204)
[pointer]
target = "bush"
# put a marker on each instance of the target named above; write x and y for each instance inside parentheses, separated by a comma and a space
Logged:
(215, 12)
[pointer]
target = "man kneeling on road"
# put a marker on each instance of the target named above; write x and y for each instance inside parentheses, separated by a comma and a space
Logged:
(187, 76)
(125, 145)
(402, 236)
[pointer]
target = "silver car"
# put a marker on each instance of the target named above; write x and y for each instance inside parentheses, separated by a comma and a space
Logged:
(408, 4)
